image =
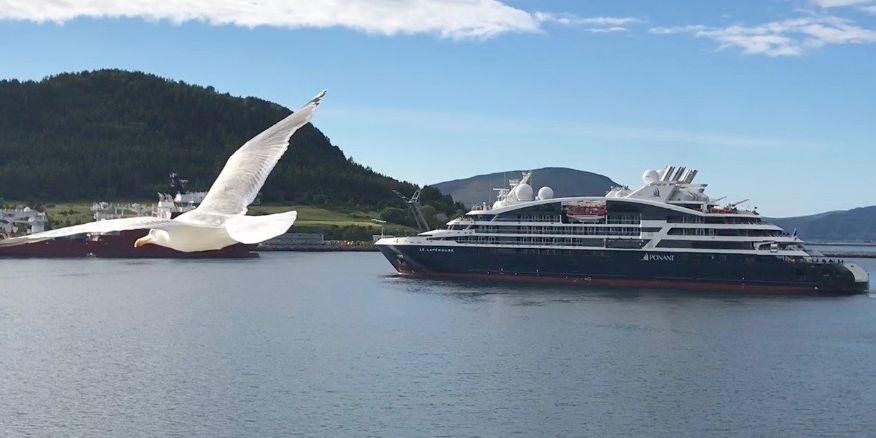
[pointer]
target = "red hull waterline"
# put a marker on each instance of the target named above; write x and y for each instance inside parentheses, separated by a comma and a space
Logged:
(120, 245)
(58, 248)
(629, 282)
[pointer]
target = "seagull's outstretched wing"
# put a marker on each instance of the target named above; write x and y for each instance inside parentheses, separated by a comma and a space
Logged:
(106, 226)
(246, 170)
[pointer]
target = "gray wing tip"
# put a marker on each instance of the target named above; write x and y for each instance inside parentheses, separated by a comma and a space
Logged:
(316, 100)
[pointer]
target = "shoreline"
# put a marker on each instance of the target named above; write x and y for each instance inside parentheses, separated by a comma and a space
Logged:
(849, 255)
(327, 248)
(841, 244)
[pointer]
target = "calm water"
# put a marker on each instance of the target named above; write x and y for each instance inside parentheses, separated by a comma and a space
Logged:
(297, 344)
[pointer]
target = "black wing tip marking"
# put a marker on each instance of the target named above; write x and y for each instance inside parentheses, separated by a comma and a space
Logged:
(316, 100)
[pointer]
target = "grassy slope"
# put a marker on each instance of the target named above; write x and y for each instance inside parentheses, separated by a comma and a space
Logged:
(314, 219)
(310, 219)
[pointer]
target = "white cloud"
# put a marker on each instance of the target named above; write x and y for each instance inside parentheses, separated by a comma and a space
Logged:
(449, 19)
(574, 20)
(867, 6)
(789, 37)
(592, 24)
(455, 19)
(839, 3)
(676, 29)
(606, 29)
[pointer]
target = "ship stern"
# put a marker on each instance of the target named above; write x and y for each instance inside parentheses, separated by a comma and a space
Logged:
(861, 278)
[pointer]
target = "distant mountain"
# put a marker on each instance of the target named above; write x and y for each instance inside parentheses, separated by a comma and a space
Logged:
(564, 181)
(858, 224)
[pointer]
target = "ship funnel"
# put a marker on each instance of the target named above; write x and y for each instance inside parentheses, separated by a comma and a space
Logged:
(691, 174)
(661, 173)
(667, 173)
(678, 174)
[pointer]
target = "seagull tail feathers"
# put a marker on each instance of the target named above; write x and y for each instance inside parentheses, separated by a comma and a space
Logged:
(257, 229)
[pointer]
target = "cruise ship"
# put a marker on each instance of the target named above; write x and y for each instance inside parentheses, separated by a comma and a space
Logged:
(666, 233)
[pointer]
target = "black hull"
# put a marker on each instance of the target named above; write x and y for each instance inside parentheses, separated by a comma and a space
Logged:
(626, 268)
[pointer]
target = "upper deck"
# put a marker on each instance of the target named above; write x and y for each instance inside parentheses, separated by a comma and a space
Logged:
(665, 213)
(671, 188)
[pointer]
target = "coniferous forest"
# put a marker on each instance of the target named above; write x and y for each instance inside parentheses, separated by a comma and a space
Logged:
(112, 134)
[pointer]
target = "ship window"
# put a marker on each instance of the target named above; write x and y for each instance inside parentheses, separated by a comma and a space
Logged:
(695, 244)
(625, 243)
(684, 219)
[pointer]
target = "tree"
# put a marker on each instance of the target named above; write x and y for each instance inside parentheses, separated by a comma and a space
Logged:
(112, 135)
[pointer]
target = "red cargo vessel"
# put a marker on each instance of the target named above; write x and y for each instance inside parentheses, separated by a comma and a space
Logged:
(117, 244)
(121, 245)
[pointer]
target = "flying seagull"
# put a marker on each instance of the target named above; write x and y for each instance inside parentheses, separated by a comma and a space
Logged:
(220, 220)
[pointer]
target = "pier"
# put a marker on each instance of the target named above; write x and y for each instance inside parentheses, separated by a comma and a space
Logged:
(312, 242)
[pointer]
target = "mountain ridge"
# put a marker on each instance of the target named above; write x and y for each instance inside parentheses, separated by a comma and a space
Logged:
(564, 181)
(853, 225)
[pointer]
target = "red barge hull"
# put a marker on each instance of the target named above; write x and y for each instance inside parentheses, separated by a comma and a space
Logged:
(118, 245)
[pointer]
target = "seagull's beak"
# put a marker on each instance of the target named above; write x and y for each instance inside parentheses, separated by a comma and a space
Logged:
(145, 240)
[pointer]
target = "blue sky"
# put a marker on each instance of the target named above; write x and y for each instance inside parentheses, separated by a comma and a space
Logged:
(771, 100)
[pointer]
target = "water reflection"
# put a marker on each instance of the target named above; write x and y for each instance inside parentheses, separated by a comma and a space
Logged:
(336, 345)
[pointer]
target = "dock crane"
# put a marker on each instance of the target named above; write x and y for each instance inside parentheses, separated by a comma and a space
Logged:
(414, 204)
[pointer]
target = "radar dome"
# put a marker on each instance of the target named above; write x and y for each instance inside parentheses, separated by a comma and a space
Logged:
(523, 192)
(650, 176)
(545, 193)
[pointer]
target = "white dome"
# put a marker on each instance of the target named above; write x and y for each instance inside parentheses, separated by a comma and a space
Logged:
(523, 192)
(650, 176)
(545, 193)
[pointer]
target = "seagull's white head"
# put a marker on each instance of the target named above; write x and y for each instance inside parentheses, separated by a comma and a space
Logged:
(155, 237)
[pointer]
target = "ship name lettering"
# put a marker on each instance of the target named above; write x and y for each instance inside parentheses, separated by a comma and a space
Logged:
(448, 250)
(659, 258)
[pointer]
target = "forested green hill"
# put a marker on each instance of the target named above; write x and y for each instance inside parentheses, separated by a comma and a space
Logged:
(112, 134)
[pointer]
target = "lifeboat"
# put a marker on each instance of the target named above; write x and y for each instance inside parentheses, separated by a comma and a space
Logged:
(585, 212)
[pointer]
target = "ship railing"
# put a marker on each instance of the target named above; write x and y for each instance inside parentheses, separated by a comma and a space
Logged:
(624, 220)
(827, 261)
(521, 219)
(560, 230)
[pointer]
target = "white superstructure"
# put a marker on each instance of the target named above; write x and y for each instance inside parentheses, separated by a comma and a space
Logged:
(15, 221)
(667, 213)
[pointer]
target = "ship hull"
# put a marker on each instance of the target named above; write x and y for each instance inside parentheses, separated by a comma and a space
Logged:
(121, 245)
(118, 245)
(753, 273)
(56, 248)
